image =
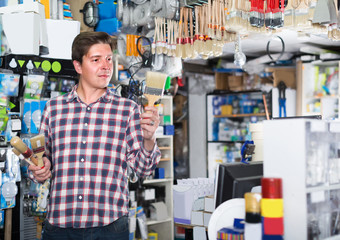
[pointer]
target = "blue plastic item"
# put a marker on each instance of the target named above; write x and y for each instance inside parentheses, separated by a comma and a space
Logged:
(110, 26)
(107, 10)
(169, 130)
(159, 173)
(4, 3)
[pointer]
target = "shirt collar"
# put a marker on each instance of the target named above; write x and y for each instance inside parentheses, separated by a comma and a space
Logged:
(107, 96)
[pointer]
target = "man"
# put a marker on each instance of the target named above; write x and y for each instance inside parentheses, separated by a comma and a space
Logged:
(91, 137)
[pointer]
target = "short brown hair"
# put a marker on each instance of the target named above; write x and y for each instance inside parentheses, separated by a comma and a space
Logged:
(84, 41)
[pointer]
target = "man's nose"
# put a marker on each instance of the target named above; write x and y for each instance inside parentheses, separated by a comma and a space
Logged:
(106, 64)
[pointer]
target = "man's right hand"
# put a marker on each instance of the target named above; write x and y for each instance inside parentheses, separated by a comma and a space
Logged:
(41, 174)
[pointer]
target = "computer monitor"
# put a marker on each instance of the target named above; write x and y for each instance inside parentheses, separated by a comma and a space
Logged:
(233, 180)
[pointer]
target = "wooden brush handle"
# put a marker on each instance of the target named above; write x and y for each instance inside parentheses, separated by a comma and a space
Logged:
(40, 162)
(18, 144)
(21, 157)
(8, 224)
(152, 99)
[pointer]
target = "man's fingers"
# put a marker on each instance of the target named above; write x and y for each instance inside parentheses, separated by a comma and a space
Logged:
(43, 177)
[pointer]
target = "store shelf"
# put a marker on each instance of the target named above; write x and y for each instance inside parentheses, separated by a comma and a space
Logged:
(153, 222)
(225, 132)
(314, 78)
(153, 181)
(164, 228)
(224, 92)
(332, 238)
(164, 148)
(228, 70)
(323, 188)
(305, 155)
(321, 97)
(225, 141)
(187, 226)
(241, 115)
(163, 136)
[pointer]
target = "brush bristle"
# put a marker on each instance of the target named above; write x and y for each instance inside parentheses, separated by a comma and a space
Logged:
(155, 79)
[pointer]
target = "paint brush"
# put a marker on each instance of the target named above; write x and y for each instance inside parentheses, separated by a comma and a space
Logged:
(178, 52)
(21, 157)
(288, 16)
(38, 147)
(154, 88)
(18, 144)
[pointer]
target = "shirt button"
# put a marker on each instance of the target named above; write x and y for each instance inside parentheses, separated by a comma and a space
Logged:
(88, 108)
(80, 197)
(81, 178)
(82, 160)
(84, 142)
(85, 124)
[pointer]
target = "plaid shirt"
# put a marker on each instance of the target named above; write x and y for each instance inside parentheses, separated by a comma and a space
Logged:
(89, 147)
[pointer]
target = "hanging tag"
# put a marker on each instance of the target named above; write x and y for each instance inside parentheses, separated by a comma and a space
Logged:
(16, 124)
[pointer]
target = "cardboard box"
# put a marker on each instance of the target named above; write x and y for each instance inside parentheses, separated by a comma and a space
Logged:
(22, 24)
(61, 34)
(23, 32)
(221, 81)
(235, 81)
(199, 233)
(206, 218)
(209, 205)
(287, 75)
(197, 218)
(183, 200)
(198, 204)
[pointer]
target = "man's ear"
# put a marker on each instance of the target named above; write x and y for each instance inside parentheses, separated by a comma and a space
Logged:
(77, 66)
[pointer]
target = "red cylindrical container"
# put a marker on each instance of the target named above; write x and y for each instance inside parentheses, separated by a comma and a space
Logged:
(271, 187)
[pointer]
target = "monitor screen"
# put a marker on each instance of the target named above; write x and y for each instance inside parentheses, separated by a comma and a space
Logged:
(233, 180)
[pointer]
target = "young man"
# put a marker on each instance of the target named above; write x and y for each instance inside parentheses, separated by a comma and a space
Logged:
(91, 137)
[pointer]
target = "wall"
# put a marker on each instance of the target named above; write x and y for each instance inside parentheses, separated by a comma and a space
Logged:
(199, 85)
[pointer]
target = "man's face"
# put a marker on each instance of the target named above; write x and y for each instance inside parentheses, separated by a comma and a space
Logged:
(96, 69)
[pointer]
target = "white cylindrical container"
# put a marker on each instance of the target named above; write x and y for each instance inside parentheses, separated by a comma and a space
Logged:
(256, 130)
(252, 231)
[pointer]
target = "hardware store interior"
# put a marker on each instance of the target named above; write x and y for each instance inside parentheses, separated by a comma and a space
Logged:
(246, 135)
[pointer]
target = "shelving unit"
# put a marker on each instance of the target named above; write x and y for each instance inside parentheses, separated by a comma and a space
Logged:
(305, 155)
(164, 227)
(241, 115)
(228, 114)
(318, 89)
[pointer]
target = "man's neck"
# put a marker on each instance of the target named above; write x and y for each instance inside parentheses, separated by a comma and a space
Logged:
(89, 95)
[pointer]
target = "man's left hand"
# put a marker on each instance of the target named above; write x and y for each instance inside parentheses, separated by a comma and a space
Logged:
(150, 121)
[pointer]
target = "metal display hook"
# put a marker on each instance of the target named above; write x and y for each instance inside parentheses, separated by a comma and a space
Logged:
(282, 50)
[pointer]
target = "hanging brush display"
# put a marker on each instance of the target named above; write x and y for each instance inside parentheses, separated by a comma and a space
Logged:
(179, 37)
(201, 43)
(164, 40)
(191, 39)
(207, 49)
(301, 14)
(169, 37)
(185, 41)
(197, 33)
(174, 37)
